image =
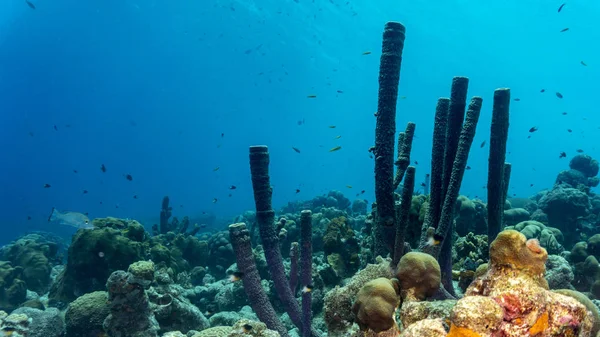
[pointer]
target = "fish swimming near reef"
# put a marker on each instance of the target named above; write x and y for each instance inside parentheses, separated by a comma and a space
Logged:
(73, 219)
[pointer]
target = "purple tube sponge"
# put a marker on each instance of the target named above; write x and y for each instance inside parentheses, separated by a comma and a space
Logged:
(498, 139)
(389, 77)
(403, 213)
(165, 214)
(456, 116)
(294, 253)
(240, 240)
(405, 140)
(437, 169)
(265, 217)
(306, 270)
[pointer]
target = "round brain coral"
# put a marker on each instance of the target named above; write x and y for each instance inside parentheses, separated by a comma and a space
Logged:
(376, 304)
(419, 275)
(512, 249)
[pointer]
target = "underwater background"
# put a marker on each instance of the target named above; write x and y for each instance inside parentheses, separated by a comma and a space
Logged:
(147, 89)
(107, 107)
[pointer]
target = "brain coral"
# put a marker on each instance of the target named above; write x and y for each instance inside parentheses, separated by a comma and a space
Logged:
(376, 304)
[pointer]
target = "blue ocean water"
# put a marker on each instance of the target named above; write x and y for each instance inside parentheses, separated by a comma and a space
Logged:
(169, 91)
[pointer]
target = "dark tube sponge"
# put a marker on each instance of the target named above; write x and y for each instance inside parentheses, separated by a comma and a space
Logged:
(403, 213)
(240, 240)
(458, 169)
(306, 270)
(265, 217)
(437, 169)
(444, 229)
(385, 131)
(456, 115)
(405, 140)
(506, 182)
(294, 253)
(498, 139)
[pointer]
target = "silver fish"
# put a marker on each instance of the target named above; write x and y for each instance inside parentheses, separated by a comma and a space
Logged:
(73, 219)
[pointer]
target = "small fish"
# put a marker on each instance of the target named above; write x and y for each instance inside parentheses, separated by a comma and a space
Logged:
(246, 328)
(482, 144)
(366, 53)
(73, 219)
(229, 195)
(332, 126)
(297, 191)
(135, 196)
(423, 185)
(222, 135)
(74, 171)
(562, 155)
(232, 187)
(216, 169)
(203, 225)
(435, 240)
(85, 192)
(530, 185)
(559, 95)
(339, 91)
(215, 200)
(416, 162)
(583, 64)
(30, 4)
(569, 130)
(337, 137)
(28, 217)
(296, 149)
(561, 7)
(311, 96)
(55, 128)
(349, 186)
(300, 122)
(533, 129)
(47, 185)
(468, 167)
(517, 99)
(128, 177)
(307, 288)
(564, 113)
(579, 151)
(543, 90)
(362, 192)
(236, 276)
(337, 148)
(564, 30)
(103, 168)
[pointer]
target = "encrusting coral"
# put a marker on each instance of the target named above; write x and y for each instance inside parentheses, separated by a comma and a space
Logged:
(515, 281)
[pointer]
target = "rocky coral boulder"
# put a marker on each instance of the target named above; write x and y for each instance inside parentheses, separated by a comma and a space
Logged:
(85, 315)
(93, 255)
(44, 323)
(563, 205)
(13, 290)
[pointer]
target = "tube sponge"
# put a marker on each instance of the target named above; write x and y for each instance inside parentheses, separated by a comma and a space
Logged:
(376, 304)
